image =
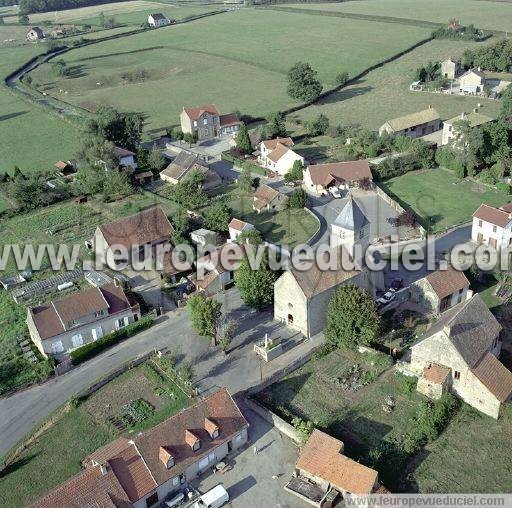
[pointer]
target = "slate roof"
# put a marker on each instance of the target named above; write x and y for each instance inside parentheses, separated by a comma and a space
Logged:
(351, 171)
(183, 163)
(447, 282)
(351, 216)
(494, 376)
(470, 327)
(158, 16)
(52, 319)
(493, 215)
(144, 227)
(414, 119)
(322, 457)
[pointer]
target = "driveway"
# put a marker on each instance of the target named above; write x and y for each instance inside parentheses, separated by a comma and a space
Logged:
(257, 480)
(210, 149)
(149, 285)
(241, 369)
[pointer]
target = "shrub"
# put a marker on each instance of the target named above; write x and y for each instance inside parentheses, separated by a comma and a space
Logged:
(304, 428)
(93, 348)
(504, 187)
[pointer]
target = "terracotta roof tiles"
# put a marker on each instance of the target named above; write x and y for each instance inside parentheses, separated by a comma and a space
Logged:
(493, 215)
(494, 376)
(447, 282)
(352, 171)
(436, 373)
(195, 113)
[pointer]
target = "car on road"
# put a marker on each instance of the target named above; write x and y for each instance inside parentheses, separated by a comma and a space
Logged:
(386, 298)
(291, 184)
(335, 192)
(396, 284)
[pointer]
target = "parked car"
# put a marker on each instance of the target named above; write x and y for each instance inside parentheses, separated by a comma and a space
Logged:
(335, 192)
(214, 498)
(396, 284)
(386, 298)
(291, 184)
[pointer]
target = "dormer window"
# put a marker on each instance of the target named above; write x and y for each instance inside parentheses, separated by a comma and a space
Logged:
(211, 427)
(98, 313)
(166, 457)
(192, 440)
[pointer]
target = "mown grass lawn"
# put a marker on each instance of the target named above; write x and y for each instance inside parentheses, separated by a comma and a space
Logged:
(471, 455)
(239, 68)
(439, 198)
(287, 227)
(57, 454)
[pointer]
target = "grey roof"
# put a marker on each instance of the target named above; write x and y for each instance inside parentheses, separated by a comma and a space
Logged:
(470, 327)
(158, 16)
(351, 217)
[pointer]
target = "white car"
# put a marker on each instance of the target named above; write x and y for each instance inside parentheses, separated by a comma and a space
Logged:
(386, 298)
(335, 192)
(214, 498)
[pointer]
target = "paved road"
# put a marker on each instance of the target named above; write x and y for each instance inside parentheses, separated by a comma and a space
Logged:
(22, 412)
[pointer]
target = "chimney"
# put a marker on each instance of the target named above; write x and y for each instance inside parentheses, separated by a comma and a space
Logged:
(462, 115)
(211, 427)
(103, 469)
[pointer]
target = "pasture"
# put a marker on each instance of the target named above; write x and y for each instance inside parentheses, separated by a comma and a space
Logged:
(482, 13)
(439, 198)
(243, 65)
(384, 93)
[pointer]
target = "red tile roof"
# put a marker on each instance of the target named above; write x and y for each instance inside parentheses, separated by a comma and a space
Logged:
(322, 457)
(229, 119)
(493, 215)
(352, 171)
(237, 224)
(270, 144)
(436, 373)
(494, 376)
(195, 113)
(447, 282)
(148, 226)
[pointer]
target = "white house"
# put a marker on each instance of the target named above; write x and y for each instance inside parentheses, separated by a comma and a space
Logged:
(237, 227)
(158, 19)
(125, 158)
(474, 118)
(472, 81)
(493, 226)
(35, 34)
(277, 155)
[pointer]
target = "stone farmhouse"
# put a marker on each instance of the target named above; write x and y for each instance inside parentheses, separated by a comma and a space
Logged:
(145, 469)
(268, 199)
(459, 354)
(276, 155)
(319, 178)
(493, 226)
(323, 474)
(184, 164)
(237, 227)
(474, 118)
(35, 34)
(472, 81)
(157, 20)
(207, 122)
(414, 125)
(145, 229)
(450, 68)
(440, 290)
(62, 325)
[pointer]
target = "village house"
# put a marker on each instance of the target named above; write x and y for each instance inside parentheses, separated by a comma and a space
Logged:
(186, 163)
(157, 20)
(237, 227)
(62, 325)
(35, 34)
(146, 468)
(125, 158)
(144, 230)
(323, 474)
(414, 125)
(472, 81)
(440, 290)
(204, 237)
(459, 354)
(474, 118)
(66, 169)
(450, 68)
(268, 199)
(493, 226)
(319, 178)
(207, 122)
(276, 155)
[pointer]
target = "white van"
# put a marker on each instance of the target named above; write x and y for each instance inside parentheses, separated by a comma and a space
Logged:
(214, 498)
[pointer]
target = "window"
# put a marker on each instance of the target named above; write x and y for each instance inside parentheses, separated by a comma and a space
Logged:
(479, 223)
(494, 229)
(176, 481)
(215, 434)
(205, 121)
(77, 340)
(495, 343)
(98, 314)
(456, 374)
(152, 499)
(57, 347)
(197, 445)
(195, 123)
(120, 323)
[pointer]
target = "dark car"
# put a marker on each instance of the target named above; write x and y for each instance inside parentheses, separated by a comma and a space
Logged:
(396, 284)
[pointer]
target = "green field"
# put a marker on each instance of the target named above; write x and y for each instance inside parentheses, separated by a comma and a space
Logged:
(439, 198)
(483, 14)
(237, 73)
(384, 93)
(60, 450)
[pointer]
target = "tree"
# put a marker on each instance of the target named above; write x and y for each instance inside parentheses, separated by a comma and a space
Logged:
(256, 286)
(142, 157)
(341, 78)
(189, 192)
(318, 126)
(352, 317)
(252, 236)
(298, 199)
(275, 127)
(468, 144)
(59, 67)
(225, 333)
(296, 173)
(116, 185)
(156, 160)
(243, 141)
(204, 315)
(217, 216)
(244, 182)
(23, 19)
(303, 84)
